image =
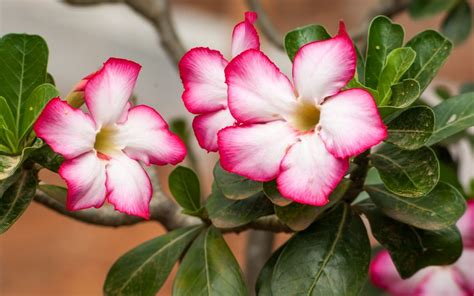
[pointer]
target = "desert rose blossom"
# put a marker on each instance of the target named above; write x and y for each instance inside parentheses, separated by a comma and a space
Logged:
(205, 92)
(453, 280)
(102, 149)
(300, 134)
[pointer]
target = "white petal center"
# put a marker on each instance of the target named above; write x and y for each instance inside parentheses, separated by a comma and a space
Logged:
(107, 140)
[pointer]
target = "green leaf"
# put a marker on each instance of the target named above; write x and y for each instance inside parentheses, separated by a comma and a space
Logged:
(263, 286)
(384, 36)
(412, 128)
(47, 158)
(23, 60)
(10, 164)
(466, 87)
(209, 268)
(360, 68)
(424, 8)
(7, 127)
(33, 106)
(299, 216)
(227, 213)
(234, 186)
(16, 199)
(144, 269)
(443, 92)
(184, 185)
(432, 50)
(50, 79)
(354, 83)
(440, 208)
(331, 257)
(411, 248)
(452, 116)
(271, 191)
(403, 95)
(407, 173)
(398, 62)
(303, 35)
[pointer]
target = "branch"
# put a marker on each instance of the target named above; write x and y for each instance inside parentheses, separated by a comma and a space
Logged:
(258, 250)
(358, 177)
(266, 25)
(157, 12)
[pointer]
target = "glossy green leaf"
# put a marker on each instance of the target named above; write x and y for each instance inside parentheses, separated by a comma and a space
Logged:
(331, 257)
(23, 60)
(16, 199)
(466, 87)
(412, 128)
(354, 83)
(50, 79)
(398, 62)
(458, 23)
(432, 50)
(209, 268)
(184, 185)
(411, 248)
(407, 173)
(452, 116)
(227, 213)
(424, 8)
(299, 216)
(440, 208)
(403, 95)
(303, 35)
(443, 92)
(384, 36)
(360, 68)
(234, 186)
(144, 269)
(271, 191)
(33, 106)
(10, 164)
(263, 286)
(47, 158)
(7, 128)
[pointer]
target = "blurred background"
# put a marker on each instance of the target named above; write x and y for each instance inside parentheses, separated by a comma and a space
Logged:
(49, 254)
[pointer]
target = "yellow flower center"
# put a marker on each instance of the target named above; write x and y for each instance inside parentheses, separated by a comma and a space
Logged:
(305, 117)
(106, 140)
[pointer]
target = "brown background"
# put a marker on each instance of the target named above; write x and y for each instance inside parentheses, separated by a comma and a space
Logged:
(48, 254)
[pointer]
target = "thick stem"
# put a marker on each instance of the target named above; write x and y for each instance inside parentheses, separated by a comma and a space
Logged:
(266, 25)
(259, 249)
(358, 177)
(157, 12)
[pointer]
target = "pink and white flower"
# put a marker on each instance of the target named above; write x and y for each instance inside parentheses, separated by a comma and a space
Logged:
(453, 280)
(300, 134)
(102, 149)
(205, 92)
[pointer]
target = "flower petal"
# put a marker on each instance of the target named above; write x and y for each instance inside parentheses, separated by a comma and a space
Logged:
(441, 282)
(322, 68)
(464, 266)
(69, 131)
(350, 123)
(258, 91)
(107, 92)
(255, 151)
(145, 136)
(128, 186)
(85, 179)
(466, 225)
(244, 35)
(384, 274)
(207, 125)
(309, 173)
(202, 73)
